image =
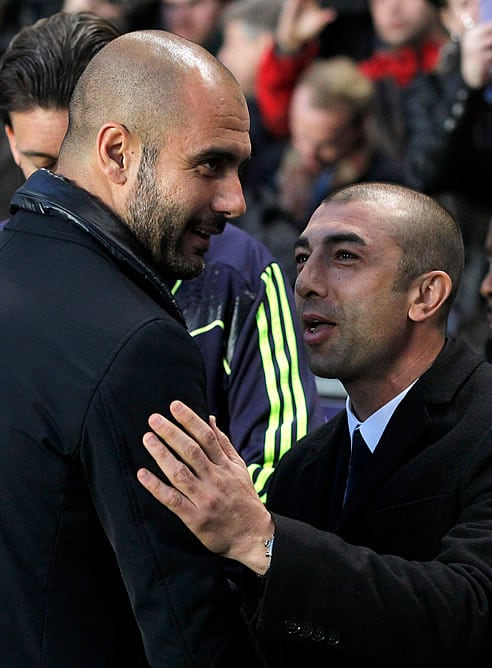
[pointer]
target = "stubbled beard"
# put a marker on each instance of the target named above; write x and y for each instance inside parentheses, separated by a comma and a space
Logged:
(159, 224)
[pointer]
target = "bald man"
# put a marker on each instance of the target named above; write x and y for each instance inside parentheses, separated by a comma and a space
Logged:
(376, 547)
(95, 573)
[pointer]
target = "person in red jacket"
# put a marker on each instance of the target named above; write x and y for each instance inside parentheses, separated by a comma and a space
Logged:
(409, 33)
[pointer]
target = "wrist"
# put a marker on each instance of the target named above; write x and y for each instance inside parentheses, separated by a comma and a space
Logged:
(255, 552)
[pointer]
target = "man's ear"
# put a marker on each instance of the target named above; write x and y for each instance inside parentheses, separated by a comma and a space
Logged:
(115, 152)
(428, 294)
(13, 144)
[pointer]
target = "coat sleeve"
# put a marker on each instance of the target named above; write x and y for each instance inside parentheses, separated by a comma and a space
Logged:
(326, 593)
(182, 603)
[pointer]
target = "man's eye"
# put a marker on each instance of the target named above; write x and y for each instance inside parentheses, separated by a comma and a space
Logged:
(300, 258)
(345, 255)
(213, 165)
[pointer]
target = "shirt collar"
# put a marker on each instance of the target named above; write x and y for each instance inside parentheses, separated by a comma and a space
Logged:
(372, 428)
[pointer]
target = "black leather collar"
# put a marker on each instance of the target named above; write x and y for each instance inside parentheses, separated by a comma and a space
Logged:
(52, 195)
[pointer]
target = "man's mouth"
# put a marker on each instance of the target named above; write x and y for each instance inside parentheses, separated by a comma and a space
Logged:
(203, 233)
(316, 329)
(312, 325)
(207, 227)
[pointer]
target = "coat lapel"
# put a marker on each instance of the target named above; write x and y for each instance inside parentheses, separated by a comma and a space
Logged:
(405, 434)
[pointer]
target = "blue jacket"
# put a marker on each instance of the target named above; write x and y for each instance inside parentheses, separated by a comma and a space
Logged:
(240, 311)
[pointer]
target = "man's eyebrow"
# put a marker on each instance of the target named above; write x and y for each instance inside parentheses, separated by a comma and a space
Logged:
(335, 238)
(220, 154)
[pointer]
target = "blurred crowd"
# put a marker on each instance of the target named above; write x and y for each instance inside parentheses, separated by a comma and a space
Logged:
(338, 92)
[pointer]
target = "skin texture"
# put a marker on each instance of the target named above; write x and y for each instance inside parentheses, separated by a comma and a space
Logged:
(35, 137)
(350, 294)
(486, 286)
(357, 327)
(187, 116)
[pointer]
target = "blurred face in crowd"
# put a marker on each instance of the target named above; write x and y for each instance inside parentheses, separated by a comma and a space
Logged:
(192, 19)
(321, 136)
(403, 22)
(241, 52)
(35, 137)
(486, 287)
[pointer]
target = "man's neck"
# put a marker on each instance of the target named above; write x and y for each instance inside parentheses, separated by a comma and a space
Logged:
(368, 394)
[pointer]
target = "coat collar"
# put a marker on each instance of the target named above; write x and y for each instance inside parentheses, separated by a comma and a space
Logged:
(404, 436)
(52, 195)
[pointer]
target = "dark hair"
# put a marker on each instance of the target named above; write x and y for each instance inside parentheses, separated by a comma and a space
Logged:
(44, 61)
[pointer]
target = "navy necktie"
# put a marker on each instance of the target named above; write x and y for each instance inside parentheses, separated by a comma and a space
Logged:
(359, 459)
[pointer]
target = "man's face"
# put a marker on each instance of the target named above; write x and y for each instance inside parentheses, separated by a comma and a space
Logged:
(321, 136)
(403, 22)
(187, 192)
(354, 322)
(35, 137)
(193, 19)
(242, 51)
(486, 286)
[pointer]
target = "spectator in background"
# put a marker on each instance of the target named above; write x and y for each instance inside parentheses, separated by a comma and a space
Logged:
(14, 14)
(486, 292)
(111, 10)
(449, 145)
(196, 20)
(331, 145)
(248, 27)
(409, 34)
(38, 73)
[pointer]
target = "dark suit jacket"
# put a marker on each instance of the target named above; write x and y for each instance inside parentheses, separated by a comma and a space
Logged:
(405, 576)
(94, 573)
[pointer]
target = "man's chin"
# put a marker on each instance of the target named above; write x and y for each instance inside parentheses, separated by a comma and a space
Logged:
(185, 270)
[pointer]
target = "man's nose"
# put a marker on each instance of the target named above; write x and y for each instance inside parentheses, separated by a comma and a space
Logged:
(311, 281)
(229, 198)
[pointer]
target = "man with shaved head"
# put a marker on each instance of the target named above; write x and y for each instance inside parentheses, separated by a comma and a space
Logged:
(95, 573)
(375, 548)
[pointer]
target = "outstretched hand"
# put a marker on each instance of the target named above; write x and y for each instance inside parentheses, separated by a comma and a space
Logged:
(209, 488)
(301, 21)
(476, 55)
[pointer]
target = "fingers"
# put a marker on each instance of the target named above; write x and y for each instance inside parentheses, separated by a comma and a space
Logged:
(200, 431)
(225, 443)
(165, 494)
(180, 476)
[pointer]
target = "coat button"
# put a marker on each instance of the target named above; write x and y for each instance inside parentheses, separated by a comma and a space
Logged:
(333, 638)
(292, 627)
(306, 630)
